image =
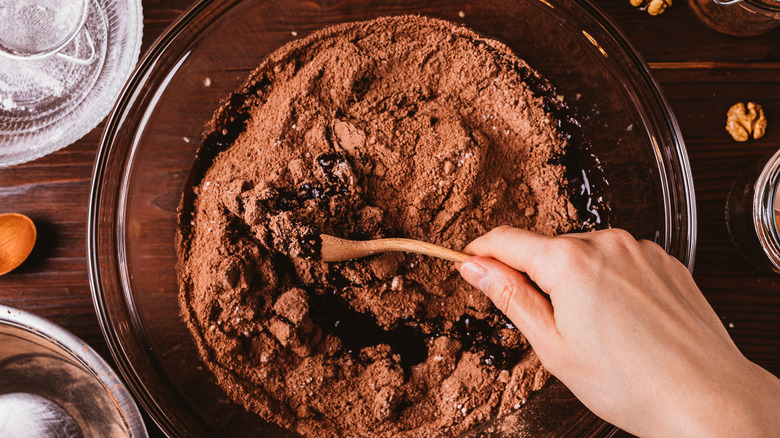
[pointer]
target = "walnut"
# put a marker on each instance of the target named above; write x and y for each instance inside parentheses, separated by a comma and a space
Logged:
(653, 7)
(742, 122)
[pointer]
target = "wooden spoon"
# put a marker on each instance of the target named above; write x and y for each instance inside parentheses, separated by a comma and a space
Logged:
(338, 250)
(17, 238)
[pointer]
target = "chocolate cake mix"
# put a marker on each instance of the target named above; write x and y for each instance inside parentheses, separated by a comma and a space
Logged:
(397, 127)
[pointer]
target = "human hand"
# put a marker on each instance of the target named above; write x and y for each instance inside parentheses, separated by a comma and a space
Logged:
(627, 330)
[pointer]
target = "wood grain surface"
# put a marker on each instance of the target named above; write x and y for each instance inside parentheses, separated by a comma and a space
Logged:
(701, 72)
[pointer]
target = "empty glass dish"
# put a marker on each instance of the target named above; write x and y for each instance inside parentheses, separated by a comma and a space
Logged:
(63, 63)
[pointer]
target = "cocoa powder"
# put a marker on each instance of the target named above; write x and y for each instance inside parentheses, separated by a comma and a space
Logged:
(401, 126)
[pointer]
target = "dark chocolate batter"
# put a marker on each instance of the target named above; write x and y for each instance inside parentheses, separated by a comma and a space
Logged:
(402, 126)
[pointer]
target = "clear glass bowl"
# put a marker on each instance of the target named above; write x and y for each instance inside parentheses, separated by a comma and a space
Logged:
(634, 155)
(50, 100)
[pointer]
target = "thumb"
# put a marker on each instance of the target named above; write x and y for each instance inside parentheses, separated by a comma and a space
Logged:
(515, 295)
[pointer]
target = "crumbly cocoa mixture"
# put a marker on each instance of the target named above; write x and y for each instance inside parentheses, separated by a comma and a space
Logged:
(403, 126)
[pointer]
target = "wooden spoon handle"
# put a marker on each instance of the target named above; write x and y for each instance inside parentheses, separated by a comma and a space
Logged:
(337, 250)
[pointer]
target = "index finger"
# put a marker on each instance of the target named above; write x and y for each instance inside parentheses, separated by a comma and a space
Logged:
(518, 248)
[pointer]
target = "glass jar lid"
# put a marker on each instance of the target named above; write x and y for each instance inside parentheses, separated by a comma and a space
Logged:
(769, 5)
(765, 208)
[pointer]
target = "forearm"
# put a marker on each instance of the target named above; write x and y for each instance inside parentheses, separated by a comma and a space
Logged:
(720, 399)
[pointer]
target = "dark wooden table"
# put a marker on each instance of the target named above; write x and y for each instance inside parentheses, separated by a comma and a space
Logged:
(702, 73)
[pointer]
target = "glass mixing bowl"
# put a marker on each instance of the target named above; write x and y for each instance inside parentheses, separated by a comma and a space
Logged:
(634, 156)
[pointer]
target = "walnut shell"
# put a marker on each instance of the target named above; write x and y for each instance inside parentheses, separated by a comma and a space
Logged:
(743, 122)
(653, 7)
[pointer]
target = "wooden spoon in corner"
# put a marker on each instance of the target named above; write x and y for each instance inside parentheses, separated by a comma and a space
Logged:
(339, 250)
(17, 239)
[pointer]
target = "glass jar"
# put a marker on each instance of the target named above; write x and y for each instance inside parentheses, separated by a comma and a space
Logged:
(738, 17)
(753, 213)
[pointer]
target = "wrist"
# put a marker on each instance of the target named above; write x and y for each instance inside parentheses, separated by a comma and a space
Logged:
(743, 402)
(762, 412)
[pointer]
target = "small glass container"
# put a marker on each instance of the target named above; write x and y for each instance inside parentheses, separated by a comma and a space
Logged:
(753, 213)
(738, 17)
(62, 65)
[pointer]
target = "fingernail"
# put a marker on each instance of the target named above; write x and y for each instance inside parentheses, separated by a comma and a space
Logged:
(476, 275)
